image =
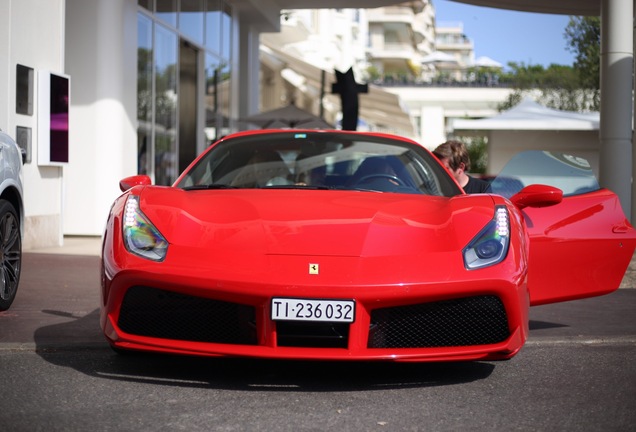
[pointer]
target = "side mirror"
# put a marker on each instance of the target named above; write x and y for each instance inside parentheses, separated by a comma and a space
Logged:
(537, 195)
(132, 181)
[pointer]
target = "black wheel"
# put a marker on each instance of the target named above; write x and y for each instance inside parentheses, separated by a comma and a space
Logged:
(10, 254)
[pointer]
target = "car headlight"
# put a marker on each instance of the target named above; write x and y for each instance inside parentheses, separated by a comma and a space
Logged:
(490, 246)
(140, 236)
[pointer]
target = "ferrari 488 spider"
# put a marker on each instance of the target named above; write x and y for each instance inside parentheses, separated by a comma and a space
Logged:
(351, 246)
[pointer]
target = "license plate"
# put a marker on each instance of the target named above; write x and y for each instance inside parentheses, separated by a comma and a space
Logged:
(295, 309)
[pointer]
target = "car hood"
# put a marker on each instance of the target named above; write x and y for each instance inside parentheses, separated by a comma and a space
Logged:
(315, 222)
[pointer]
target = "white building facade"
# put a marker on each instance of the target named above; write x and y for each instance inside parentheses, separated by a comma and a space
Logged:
(399, 37)
(148, 81)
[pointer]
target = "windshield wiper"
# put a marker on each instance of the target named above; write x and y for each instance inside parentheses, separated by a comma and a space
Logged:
(209, 186)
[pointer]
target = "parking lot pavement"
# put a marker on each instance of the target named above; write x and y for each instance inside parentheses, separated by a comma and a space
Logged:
(55, 289)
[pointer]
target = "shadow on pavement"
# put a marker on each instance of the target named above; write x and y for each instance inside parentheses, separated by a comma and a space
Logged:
(539, 325)
(92, 356)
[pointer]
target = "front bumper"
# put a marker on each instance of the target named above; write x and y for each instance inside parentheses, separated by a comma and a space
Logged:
(477, 319)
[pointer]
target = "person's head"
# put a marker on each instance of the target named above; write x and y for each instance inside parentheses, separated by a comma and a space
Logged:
(454, 156)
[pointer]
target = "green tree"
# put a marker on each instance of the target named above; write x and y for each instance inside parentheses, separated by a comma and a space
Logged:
(557, 87)
(570, 88)
(477, 147)
(487, 76)
(373, 73)
(478, 152)
(584, 41)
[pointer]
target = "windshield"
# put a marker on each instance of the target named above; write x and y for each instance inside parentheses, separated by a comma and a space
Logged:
(320, 160)
(572, 174)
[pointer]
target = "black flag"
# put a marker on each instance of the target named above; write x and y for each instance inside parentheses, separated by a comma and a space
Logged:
(348, 89)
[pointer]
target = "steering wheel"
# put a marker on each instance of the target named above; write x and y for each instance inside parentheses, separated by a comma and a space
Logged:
(388, 177)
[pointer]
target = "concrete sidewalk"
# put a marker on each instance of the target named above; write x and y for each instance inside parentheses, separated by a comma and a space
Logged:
(73, 245)
(91, 246)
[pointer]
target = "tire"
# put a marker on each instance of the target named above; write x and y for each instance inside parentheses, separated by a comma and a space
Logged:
(10, 254)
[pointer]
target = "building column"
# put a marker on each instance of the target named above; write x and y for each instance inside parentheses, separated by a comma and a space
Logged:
(432, 126)
(247, 67)
(617, 65)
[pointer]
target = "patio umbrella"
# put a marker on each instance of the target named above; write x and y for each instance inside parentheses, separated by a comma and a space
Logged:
(289, 116)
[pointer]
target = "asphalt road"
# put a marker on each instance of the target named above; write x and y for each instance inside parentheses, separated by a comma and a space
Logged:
(576, 373)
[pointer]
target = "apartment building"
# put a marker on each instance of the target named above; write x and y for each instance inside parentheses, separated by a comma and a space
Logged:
(451, 40)
(399, 38)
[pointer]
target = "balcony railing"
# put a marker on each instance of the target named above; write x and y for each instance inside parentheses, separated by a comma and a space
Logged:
(404, 81)
(390, 14)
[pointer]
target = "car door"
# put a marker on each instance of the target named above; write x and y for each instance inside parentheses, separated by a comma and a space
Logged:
(579, 247)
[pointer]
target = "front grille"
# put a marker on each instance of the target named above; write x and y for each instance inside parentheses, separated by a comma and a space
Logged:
(153, 312)
(312, 334)
(459, 322)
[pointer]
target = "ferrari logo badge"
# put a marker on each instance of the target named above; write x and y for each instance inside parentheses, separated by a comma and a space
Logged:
(313, 269)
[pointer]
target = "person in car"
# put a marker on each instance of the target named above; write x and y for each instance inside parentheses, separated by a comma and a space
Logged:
(454, 156)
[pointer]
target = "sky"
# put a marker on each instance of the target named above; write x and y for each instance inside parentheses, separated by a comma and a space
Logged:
(510, 36)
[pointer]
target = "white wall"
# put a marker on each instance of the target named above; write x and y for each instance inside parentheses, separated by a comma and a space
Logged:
(32, 34)
(5, 66)
(437, 105)
(432, 126)
(101, 41)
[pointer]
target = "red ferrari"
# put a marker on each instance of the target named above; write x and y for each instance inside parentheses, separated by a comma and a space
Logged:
(305, 244)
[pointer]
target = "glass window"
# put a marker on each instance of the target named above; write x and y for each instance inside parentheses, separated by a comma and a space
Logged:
(167, 11)
(144, 94)
(217, 97)
(226, 31)
(213, 118)
(571, 173)
(147, 4)
(165, 106)
(191, 19)
(321, 160)
(213, 26)
(224, 87)
(207, 24)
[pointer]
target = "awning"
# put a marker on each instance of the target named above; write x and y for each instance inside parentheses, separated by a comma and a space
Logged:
(379, 108)
(289, 116)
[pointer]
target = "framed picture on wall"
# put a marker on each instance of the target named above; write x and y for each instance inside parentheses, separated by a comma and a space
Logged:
(54, 95)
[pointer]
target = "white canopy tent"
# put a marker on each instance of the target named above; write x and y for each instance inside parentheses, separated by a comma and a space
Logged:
(531, 126)
(484, 61)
